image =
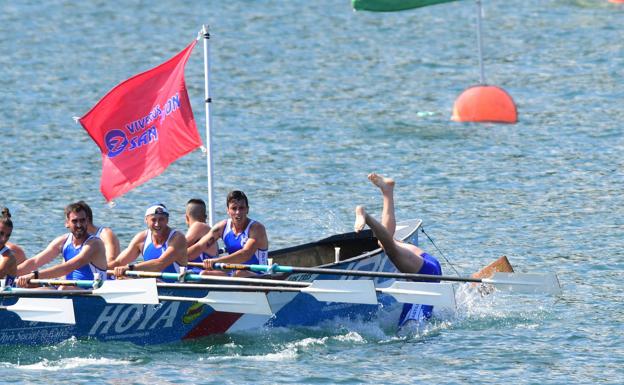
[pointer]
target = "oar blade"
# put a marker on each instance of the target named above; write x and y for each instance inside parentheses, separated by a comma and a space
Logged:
(547, 283)
(360, 291)
(138, 291)
(238, 302)
(54, 310)
(424, 293)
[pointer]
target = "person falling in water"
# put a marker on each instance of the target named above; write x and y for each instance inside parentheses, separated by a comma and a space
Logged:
(407, 258)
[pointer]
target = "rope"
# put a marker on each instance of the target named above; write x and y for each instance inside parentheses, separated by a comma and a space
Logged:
(440, 251)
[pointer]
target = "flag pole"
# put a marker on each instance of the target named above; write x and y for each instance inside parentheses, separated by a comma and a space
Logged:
(480, 42)
(207, 102)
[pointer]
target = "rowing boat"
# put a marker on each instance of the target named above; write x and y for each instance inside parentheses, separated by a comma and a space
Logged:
(172, 320)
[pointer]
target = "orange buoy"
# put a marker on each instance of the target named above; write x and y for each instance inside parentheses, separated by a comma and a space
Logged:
(616, 1)
(485, 104)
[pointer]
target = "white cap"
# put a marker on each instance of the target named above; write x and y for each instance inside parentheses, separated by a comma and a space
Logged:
(157, 208)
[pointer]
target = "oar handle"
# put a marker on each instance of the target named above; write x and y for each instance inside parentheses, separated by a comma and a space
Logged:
(17, 292)
(275, 268)
(87, 283)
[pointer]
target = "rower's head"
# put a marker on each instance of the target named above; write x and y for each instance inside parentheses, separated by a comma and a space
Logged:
(157, 217)
(237, 205)
(195, 211)
(87, 210)
(6, 227)
(76, 220)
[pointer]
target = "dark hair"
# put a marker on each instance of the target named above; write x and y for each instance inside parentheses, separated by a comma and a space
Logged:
(196, 209)
(6, 217)
(87, 210)
(236, 195)
(75, 207)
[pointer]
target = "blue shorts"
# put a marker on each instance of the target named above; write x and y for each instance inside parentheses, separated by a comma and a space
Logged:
(416, 312)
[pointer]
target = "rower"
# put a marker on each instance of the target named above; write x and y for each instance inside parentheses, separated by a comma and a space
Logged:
(195, 217)
(245, 239)
(106, 234)
(163, 249)
(84, 256)
(8, 264)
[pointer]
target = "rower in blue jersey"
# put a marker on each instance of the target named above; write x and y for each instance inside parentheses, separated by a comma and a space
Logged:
(245, 240)
(407, 258)
(163, 249)
(8, 264)
(195, 217)
(84, 256)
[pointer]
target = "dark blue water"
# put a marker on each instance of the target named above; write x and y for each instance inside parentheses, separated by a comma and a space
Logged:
(309, 97)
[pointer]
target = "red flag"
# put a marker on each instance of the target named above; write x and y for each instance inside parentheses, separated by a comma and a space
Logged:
(143, 125)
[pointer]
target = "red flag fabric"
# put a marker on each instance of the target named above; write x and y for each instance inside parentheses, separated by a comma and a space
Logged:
(143, 125)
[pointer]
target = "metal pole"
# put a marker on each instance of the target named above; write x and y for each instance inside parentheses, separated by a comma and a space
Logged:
(207, 101)
(480, 42)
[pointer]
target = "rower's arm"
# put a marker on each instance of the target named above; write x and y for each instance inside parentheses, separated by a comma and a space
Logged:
(7, 264)
(206, 241)
(131, 252)
(88, 254)
(18, 252)
(176, 252)
(111, 244)
(44, 257)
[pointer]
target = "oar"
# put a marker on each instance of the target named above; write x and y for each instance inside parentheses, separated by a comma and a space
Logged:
(408, 292)
(352, 291)
(231, 302)
(54, 310)
(348, 291)
(136, 291)
(517, 282)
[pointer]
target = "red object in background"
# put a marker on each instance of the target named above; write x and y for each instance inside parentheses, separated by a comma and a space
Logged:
(142, 125)
(485, 104)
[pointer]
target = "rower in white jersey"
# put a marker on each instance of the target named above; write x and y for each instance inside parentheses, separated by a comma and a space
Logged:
(163, 249)
(8, 265)
(106, 234)
(83, 254)
(245, 239)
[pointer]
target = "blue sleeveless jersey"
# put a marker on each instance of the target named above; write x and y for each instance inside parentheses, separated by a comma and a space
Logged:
(234, 242)
(416, 312)
(88, 271)
(151, 251)
(9, 280)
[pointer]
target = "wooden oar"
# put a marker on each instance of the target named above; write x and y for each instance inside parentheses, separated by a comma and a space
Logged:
(517, 282)
(138, 291)
(54, 310)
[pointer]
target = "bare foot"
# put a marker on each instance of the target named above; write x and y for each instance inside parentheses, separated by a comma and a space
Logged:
(385, 184)
(360, 219)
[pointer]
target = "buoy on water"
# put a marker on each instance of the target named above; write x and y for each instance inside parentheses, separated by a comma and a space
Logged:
(485, 104)
(616, 1)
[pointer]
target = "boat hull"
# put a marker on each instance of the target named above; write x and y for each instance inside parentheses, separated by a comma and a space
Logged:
(172, 321)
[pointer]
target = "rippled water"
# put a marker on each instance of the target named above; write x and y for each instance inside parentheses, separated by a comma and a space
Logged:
(308, 98)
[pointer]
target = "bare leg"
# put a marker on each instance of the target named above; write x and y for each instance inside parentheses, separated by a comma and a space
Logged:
(406, 257)
(386, 185)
